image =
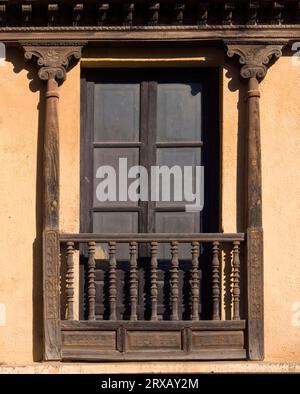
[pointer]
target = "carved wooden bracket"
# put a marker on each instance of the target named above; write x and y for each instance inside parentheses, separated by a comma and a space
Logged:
(254, 58)
(53, 59)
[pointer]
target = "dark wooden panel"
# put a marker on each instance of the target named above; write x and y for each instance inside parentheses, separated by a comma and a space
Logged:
(255, 298)
(134, 344)
(86, 159)
(51, 296)
(226, 339)
(95, 340)
(144, 341)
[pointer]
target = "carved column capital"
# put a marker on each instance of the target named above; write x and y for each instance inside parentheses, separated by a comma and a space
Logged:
(255, 58)
(52, 58)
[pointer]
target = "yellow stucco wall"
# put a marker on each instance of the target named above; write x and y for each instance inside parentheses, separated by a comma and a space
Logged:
(280, 121)
(20, 197)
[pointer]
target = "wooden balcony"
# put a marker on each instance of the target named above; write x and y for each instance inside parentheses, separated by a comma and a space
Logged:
(149, 306)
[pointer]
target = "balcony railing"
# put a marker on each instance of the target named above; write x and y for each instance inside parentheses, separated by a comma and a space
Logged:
(147, 302)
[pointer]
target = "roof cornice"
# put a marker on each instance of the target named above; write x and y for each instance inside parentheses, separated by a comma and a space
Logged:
(95, 20)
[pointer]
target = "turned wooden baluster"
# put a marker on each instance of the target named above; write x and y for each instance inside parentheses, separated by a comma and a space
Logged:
(195, 280)
(154, 291)
(91, 280)
(133, 281)
(70, 281)
(174, 279)
(112, 280)
(216, 292)
(236, 280)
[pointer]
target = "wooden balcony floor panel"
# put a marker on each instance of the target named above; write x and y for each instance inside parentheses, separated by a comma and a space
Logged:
(165, 340)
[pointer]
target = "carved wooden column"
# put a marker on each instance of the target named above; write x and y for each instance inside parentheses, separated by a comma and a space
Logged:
(255, 59)
(53, 61)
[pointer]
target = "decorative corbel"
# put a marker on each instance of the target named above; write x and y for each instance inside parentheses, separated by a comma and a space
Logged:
(254, 60)
(53, 61)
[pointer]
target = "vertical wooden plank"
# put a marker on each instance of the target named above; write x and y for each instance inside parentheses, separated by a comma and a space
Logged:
(195, 280)
(51, 297)
(144, 159)
(151, 148)
(112, 280)
(121, 334)
(186, 334)
(216, 285)
(91, 280)
(174, 280)
(255, 299)
(86, 155)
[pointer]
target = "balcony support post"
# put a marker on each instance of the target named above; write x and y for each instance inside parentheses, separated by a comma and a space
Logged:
(52, 60)
(254, 59)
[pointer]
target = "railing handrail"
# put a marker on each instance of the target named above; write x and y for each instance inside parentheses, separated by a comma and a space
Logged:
(152, 237)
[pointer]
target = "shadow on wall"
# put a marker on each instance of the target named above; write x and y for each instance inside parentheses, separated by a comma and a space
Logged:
(237, 83)
(15, 56)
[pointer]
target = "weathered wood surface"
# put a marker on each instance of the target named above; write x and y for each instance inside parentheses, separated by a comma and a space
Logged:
(195, 287)
(206, 325)
(51, 270)
(236, 280)
(112, 281)
(155, 237)
(155, 340)
(91, 280)
(70, 281)
(51, 296)
(154, 290)
(174, 280)
(216, 282)
(133, 280)
(255, 284)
